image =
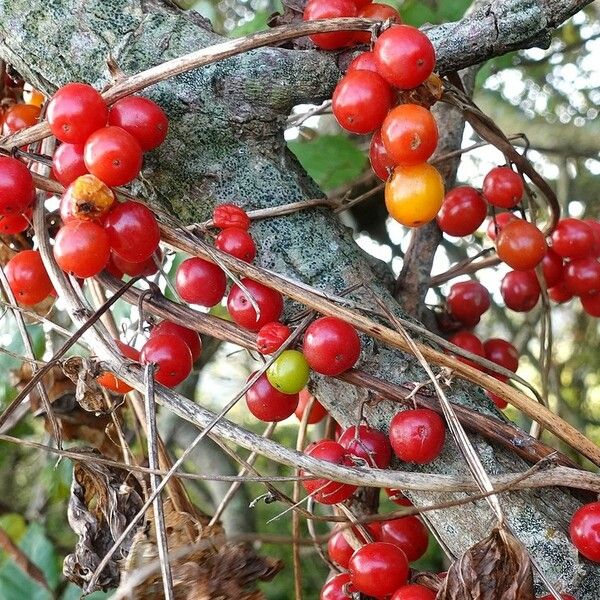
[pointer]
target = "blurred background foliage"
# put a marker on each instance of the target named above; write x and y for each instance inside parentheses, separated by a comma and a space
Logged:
(550, 95)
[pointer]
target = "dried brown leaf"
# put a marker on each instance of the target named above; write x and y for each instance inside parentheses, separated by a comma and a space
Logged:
(496, 568)
(83, 372)
(103, 502)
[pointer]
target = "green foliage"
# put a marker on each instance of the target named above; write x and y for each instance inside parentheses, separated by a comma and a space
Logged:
(417, 12)
(331, 160)
(258, 23)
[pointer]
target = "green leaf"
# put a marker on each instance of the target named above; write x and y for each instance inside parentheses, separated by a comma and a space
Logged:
(14, 525)
(331, 160)
(417, 12)
(258, 23)
(72, 592)
(177, 260)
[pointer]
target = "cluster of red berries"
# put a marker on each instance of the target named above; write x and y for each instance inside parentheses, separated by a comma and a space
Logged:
(404, 136)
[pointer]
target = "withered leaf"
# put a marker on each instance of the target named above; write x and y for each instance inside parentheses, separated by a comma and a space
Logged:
(83, 372)
(496, 568)
(103, 502)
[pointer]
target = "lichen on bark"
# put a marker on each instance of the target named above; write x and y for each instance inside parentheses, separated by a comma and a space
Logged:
(226, 144)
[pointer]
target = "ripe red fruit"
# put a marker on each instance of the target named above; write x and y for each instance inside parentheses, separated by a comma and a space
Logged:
(495, 227)
(595, 227)
(11, 224)
(521, 245)
(559, 293)
(267, 403)
(189, 336)
(81, 248)
(75, 112)
(501, 403)
(132, 230)
(331, 346)
(520, 290)
(200, 282)
(414, 591)
(397, 497)
(552, 267)
(321, 489)
(405, 56)
(378, 569)
(113, 155)
(237, 242)
(339, 550)
(410, 134)
(591, 304)
(68, 163)
(27, 277)
(502, 353)
(330, 9)
(172, 358)
(380, 160)
(462, 212)
(467, 301)
(16, 186)
(367, 444)
(145, 268)
(269, 301)
(378, 12)
(335, 588)
(230, 215)
(363, 62)
(469, 342)
(584, 531)
(408, 533)
(503, 187)
(582, 276)
(20, 116)
(573, 238)
(361, 101)
(109, 380)
(271, 336)
(417, 435)
(86, 198)
(317, 413)
(142, 118)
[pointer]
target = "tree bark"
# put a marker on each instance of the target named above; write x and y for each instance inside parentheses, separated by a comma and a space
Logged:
(226, 145)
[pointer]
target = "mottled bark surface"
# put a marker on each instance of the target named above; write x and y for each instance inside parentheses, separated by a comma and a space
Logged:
(226, 144)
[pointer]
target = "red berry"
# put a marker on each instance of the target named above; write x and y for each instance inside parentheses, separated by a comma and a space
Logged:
(582, 276)
(405, 56)
(11, 224)
(145, 268)
(502, 187)
(520, 290)
(86, 198)
(230, 215)
(331, 346)
(20, 116)
(378, 569)
(133, 231)
(317, 413)
(591, 304)
(368, 444)
(378, 12)
(552, 267)
(414, 591)
(502, 353)
(27, 277)
(469, 342)
(321, 489)
(381, 163)
(75, 112)
(417, 435)
(585, 531)
(467, 301)
(200, 282)
(573, 238)
(109, 380)
(462, 212)
(397, 497)
(501, 403)
(237, 242)
(361, 101)
(410, 134)
(496, 226)
(269, 302)
(189, 336)
(409, 534)
(68, 163)
(16, 186)
(330, 9)
(267, 403)
(113, 155)
(142, 118)
(594, 225)
(521, 245)
(172, 357)
(363, 62)
(339, 550)
(335, 588)
(559, 293)
(271, 336)
(82, 248)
